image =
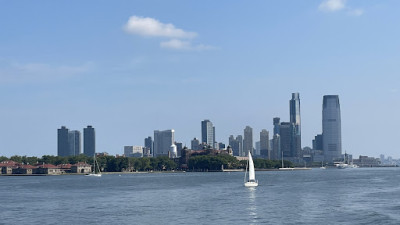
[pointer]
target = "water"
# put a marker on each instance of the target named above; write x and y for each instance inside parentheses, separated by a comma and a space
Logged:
(332, 196)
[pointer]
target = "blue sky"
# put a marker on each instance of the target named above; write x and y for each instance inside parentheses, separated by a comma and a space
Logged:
(131, 67)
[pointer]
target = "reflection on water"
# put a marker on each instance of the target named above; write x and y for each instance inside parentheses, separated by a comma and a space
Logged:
(252, 206)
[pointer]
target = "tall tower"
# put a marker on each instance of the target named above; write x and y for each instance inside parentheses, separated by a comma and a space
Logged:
(62, 142)
(295, 122)
(331, 128)
(264, 144)
(276, 125)
(74, 140)
(89, 141)
(163, 141)
(207, 133)
(248, 141)
(295, 111)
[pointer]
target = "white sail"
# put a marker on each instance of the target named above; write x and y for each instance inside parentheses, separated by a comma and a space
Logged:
(252, 174)
(251, 182)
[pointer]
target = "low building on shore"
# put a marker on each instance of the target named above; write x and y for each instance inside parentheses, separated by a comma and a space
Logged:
(24, 169)
(81, 168)
(47, 169)
(6, 167)
(365, 161)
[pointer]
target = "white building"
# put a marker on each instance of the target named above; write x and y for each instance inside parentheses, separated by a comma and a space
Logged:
(133, 151)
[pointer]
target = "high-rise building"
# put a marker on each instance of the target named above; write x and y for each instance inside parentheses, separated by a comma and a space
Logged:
(74, 141)
(318, 143)
(264, 144)
(148, 144)
(195, 144)
(62, 142)
(295, 111)
(276, 147)
(286, 135)
(276, 123)
(331, 128)
(295, 121)
(239, 140)
(133, 151)
(89, 141)
(236, 145)
(248, 141)
(163, 141)
(207, 133)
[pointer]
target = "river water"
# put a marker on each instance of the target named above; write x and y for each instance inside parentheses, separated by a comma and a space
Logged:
(331, 196)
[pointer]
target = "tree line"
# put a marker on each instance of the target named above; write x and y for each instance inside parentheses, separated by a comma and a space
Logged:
(161, 163)
(218, 162)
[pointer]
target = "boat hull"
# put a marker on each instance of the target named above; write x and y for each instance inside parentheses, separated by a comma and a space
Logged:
(251, 184)
(93, 175)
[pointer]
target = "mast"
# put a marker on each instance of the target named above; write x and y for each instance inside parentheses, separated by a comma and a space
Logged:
(282, 159)
(245, 174)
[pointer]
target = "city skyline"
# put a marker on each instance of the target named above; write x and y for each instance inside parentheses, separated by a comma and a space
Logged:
(106, 67)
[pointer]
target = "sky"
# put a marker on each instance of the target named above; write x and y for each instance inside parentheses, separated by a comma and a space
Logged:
(131, 67)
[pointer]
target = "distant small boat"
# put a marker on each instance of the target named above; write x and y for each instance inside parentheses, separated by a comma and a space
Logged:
(322, 166)
(95, 165)
(251, 182)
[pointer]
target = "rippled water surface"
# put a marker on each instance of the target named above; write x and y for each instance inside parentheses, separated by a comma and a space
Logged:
(332, 196)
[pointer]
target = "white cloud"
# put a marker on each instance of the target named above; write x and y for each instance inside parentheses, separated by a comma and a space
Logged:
(150, 27)
(146, 26)
(332, 5)
(184, 45)
(356, 12)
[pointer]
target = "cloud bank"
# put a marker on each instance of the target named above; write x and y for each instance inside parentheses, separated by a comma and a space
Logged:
(150, 27)
(146, 26)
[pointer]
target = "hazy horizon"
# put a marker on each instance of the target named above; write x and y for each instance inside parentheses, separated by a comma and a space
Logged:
(131, 67)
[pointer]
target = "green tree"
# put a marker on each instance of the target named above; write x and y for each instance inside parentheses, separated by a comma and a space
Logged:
(3, 158)
(16, 158)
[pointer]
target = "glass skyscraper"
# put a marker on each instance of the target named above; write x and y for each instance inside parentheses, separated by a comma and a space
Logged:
(62, 142)
(89, 141)
(207, 133)
(163, 141)
(295, 111)
(248, 141)
(331, 128)
(74, 140)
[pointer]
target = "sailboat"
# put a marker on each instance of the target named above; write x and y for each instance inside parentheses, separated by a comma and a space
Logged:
(95, 165)
(322, 166)
(251, 182)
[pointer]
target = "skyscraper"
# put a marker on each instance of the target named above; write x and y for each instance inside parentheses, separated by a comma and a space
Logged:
(74, 141)
(331, 128)
(62, 142)
(276, 147)
(239, 140)
(148, 144)
(264, 144)
(286, 135)
(248, 141)
(295, 119)
(163, 141)
(295, 111)
(207, 133)
(276, 122)
(89, 141)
